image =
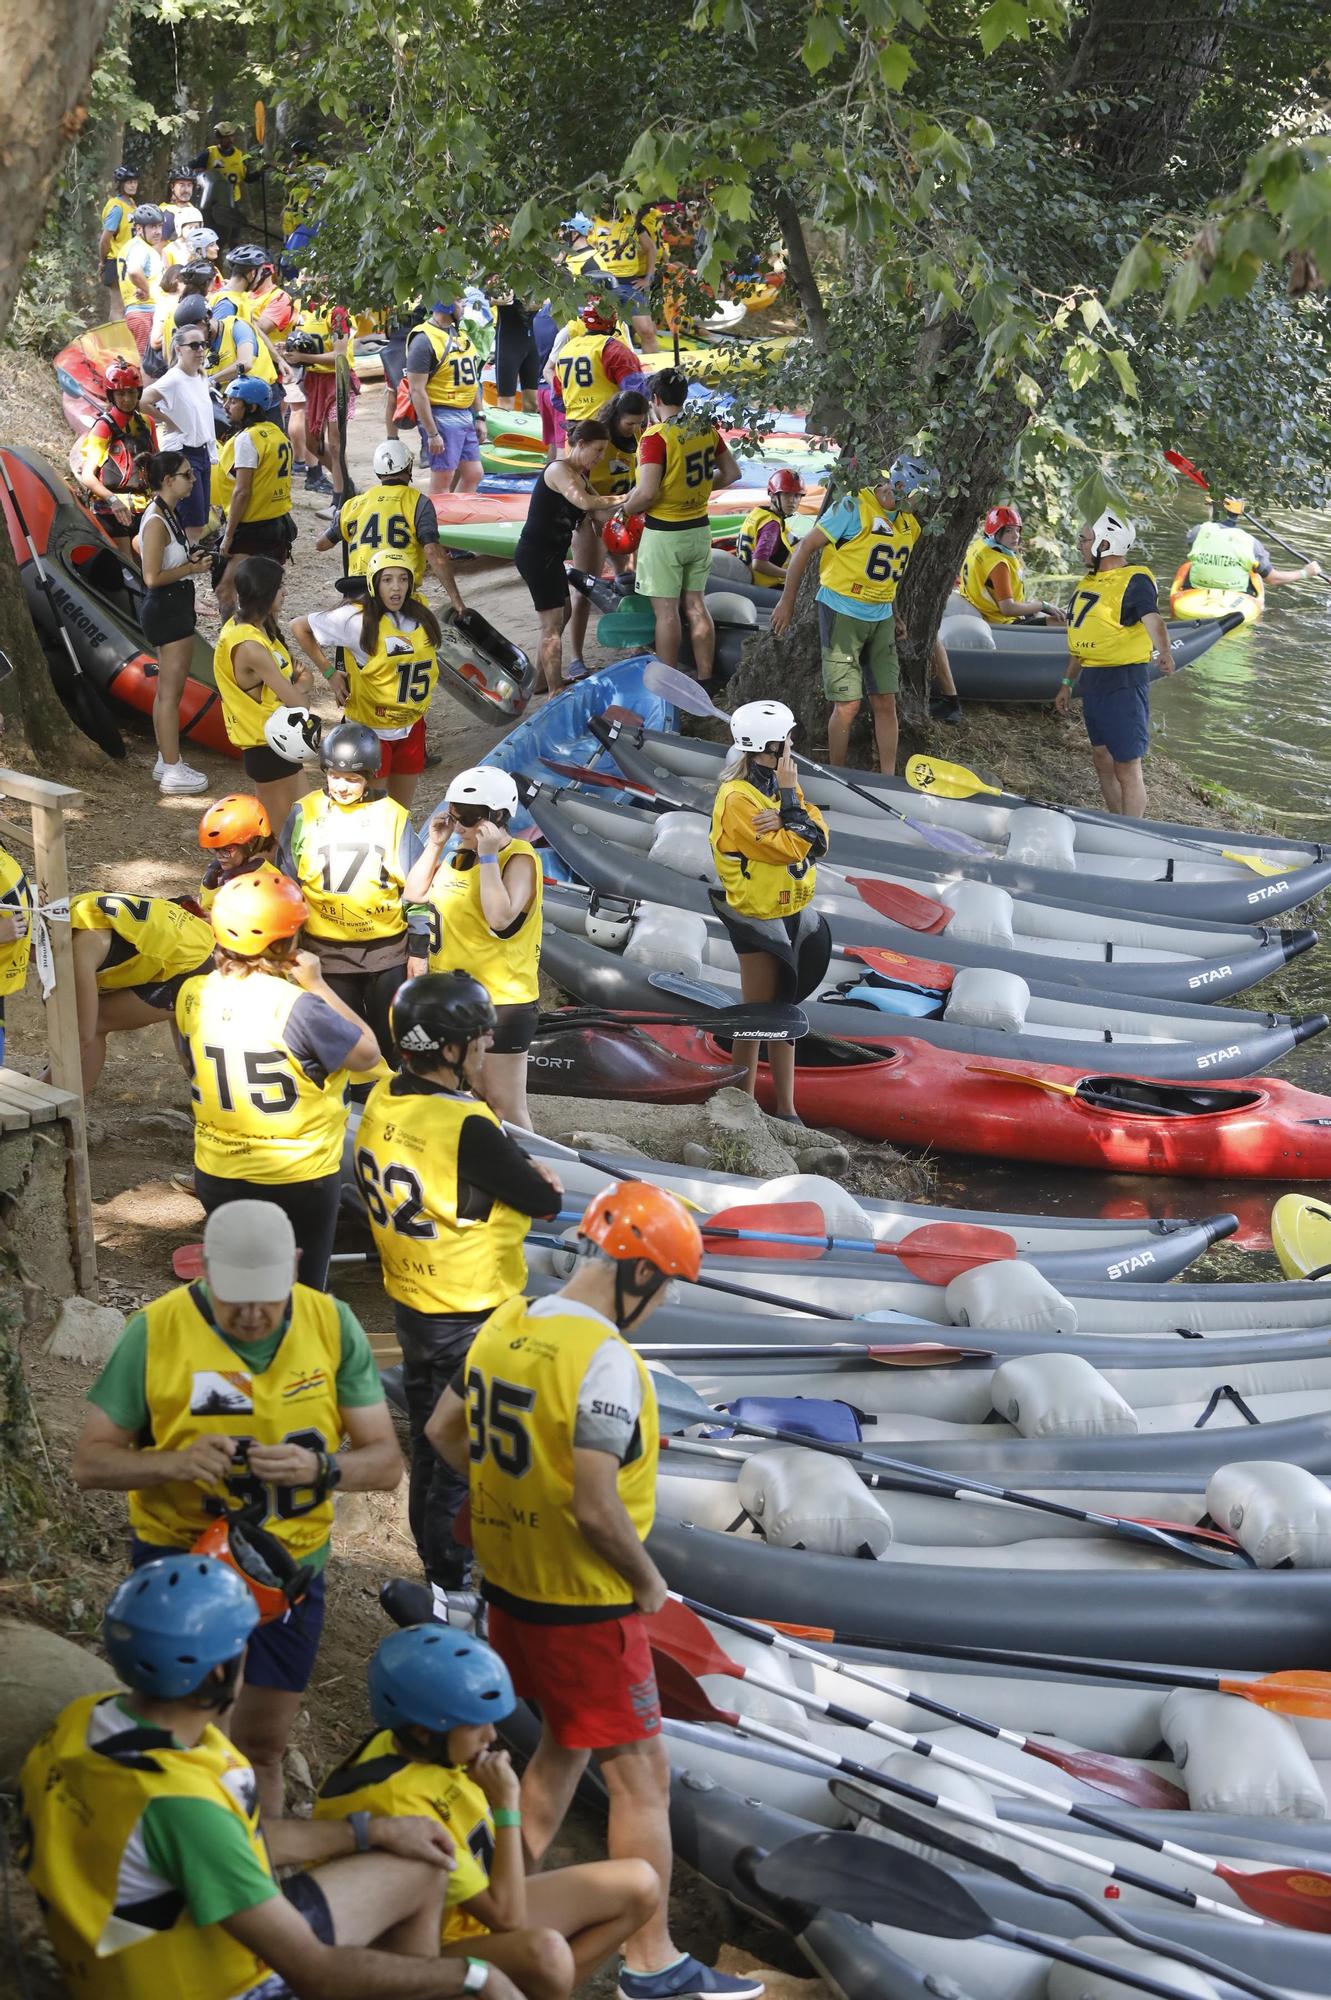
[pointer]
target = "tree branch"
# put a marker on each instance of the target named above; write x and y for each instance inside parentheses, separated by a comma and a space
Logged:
(800, 266)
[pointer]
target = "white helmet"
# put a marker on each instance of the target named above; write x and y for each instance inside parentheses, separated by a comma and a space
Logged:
(609, 921)
(485, 785)
(391, 459)
(1112, 535)
(759, 723)
(293, 733)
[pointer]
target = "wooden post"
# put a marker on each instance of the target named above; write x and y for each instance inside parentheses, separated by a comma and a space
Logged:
(49, 804)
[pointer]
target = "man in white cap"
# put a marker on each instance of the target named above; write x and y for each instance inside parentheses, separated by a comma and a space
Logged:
(226, 1402)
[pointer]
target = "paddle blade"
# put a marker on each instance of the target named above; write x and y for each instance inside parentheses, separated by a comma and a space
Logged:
(789, 1218)
(938, 1252)
(674, 686)
(1299, 1897)
(1187, 468)
(680, 1633)
(926, 972)
(1294, 1693)
(187, 1262)
(868, 1879)
(678, 1405)
(1252, 861)
(681, 1697)
(946, 781)
(901, 906)
(1117, 1776)
(583, 774)
(1024, 1076)
(927, 1354)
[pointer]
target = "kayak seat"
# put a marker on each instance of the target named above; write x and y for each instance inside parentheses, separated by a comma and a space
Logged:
(681, 841)
(800, 1499)
(983, 997)
(817, 1417)
(1014, 1297)
(981, 913)
(884, 998)
(1165, 1100)
(1060, 1396)
(1042, 839)
(1280, 1514)
(669, 941)
(1253, 1762)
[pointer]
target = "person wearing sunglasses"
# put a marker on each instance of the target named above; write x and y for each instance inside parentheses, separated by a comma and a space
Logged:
(182, 405)
(170, 566)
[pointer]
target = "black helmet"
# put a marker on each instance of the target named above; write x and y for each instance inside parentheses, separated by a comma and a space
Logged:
(303, 341)
(300, 147)
(439, 1010)
(351, 749)
(180, 172)
(247, 257)
(126, 173)
(192, 310)
(147, 212)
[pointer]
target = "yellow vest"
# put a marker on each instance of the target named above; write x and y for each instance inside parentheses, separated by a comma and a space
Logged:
(257, 1116)
(978, 565)
(81, 1808)
(198, 1386)
(461, 940)
(583, 380)
(615, 245)
(377, 1778)
(245, 711)
(383, 517)
(346, 860)
(453, 381)
(262, 367)
(167, 939)
(617, 472)
(870, 564)
(1095, 631)
(754, 522)
(15, 900)
(407, 1172)
(1221, 558)
(270, 490)
(524, 1372)
(688, 473)
(754, 885)
(231, 166)
(126, 229)
(396, 685)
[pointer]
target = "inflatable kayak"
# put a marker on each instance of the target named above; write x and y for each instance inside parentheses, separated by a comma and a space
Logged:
(1025, 663)
(913, 1093)
(1193, 601)
(482, 527)
(1301, 1236)
(971, 925)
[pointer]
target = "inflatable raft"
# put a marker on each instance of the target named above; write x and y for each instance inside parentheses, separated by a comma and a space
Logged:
(1025, 663)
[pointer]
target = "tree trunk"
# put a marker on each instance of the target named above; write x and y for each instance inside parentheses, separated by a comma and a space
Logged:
(799, 265)
(1165, 70)
(30, 708)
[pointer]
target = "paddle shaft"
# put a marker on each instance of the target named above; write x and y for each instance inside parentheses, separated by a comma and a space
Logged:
(710, 1285)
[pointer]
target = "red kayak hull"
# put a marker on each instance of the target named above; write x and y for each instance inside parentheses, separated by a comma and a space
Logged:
(913, 1094)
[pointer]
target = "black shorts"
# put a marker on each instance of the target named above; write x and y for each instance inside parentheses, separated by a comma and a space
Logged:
(265, 766)
(259, 538)
(164, 993)
(393, 356)
(110, 275)
(304, 1894)
(517, 363)
(516, 1028)
(168, 614)
(544, 576)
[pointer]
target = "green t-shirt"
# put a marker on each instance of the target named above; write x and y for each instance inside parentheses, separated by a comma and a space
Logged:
(121, 1390)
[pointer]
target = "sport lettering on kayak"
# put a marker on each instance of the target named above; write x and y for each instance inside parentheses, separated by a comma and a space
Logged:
(1208, 978)
(552, 1062)
(1267, 890)
(1219, 1056)
(1140, 1262)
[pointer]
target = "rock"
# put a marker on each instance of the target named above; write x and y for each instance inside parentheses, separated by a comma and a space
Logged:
(744, 1140)
(167, 1120)
(824, 1157)
(604, 1142)
(39, 1673)
(297, 1769)
(693, 1155)
(85, 1332)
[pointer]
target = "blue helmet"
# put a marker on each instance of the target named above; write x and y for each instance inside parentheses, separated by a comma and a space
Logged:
(432, 1677)
(911, 477)
(580, 224)
(167, 1626)
(249, 389)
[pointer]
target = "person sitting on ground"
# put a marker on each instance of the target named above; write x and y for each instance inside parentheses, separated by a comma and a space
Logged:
(391, 515)
(443, 386)
(236, 833)
(1223, 555)
(253, 481)
(436, 1699)
(144, 1843)
(253, 672)
(764, 540)
(992, 579)
(1114, 628)
(682, 461)
(561, 498)
(132, 955)
(111, 454)
(113, 240)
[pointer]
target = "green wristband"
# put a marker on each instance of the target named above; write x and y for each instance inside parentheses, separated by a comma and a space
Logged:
(1068, 681)
(507, 1816)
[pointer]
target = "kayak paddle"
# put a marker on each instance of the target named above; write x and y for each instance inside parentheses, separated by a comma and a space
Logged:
(901, 906)
(187, 1261)
(685, 693)
(939, 779)
(768, 1021)
(937, 1252)
(708, 1284)
(911, 1827)
(915, 1354)
(886, 1884)
(680, 1631)
(1078, 1091)
(583, 774)
(684, 1700)
(681, 1406)
(1189, 471)
(1280, 1895)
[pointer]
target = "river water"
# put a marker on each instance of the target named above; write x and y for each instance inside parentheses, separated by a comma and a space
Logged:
(1253, 715)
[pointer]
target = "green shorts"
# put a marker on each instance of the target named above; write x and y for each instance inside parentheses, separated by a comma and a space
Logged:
(859, 658)
(674, 559)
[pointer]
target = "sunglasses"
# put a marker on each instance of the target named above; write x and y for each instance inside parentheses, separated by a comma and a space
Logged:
(470, 815)
(194, 346)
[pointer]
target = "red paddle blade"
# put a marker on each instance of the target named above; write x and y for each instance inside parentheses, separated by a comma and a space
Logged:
(901, 906)
(1114, 1775)
(681, 1697)
(940, 1251)
(1187, 468)
(681, 1635)
(1192, 1534)
(1300, 1897)
(187, 1262)
(583, 774)
(629, 716)
(1293, 1693)
(787, 1218)
(519, 441)
(926, 1354)
(897, 965)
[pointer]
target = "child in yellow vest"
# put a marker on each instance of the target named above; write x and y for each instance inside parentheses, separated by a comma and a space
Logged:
(15, 933)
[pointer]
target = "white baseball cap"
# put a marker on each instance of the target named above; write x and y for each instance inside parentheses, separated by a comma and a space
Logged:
(249, 1253)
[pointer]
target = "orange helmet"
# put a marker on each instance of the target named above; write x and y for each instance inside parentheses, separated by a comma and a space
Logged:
(633, 1219)
(254, 912)
(259, 1560)
(231, 821)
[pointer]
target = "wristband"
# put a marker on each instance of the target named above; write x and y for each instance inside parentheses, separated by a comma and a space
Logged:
(493, 859)
(330, 1475)
(1068, 682)
(476, 1975)
(507, 1816)
(359, 1822)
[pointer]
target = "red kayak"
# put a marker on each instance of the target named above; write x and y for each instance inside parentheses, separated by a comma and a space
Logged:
(914, 1094)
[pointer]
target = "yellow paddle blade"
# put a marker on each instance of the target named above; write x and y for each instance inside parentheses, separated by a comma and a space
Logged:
(1294, 1693)
(946, 781)
(260, 120)
(1253, 861)
(1301, 1234)
(1048, 1083)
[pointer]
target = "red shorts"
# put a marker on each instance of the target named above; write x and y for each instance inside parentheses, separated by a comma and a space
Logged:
(594, 1684)
(404, 753)
(554, 431)
(320, 386)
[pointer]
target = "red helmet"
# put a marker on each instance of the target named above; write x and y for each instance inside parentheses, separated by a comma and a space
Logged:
(622, 537)
(999, 518)
(231, 821)
(598, 317)
(632, 1219)
(122, 375)
(784, 480)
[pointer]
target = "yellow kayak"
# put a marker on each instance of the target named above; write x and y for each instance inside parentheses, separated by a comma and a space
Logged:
(1301, 1236)
(1196, 602)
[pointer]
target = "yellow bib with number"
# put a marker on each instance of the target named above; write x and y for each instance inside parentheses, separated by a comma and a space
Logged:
(166, 939)
(453, 381)
(245, 710)
(688, 473)
(461, 940)
(383, 517)
(583, 380)
(347, 865)
(83, 1800)
(870, 564)
(15, 900)
(257, 1115)
(407, 1171)
(617, 247)
(231, 166)
(125, 228)
(524, 1373)
(198, 1386)
(378, 1778)
(396, 685)
(754, 522)
(1096, 633)
(617, 472)
(270, 489)
(978, 565)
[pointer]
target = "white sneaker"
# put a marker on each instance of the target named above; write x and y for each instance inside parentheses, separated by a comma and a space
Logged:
(158, 768)
(182, 777)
